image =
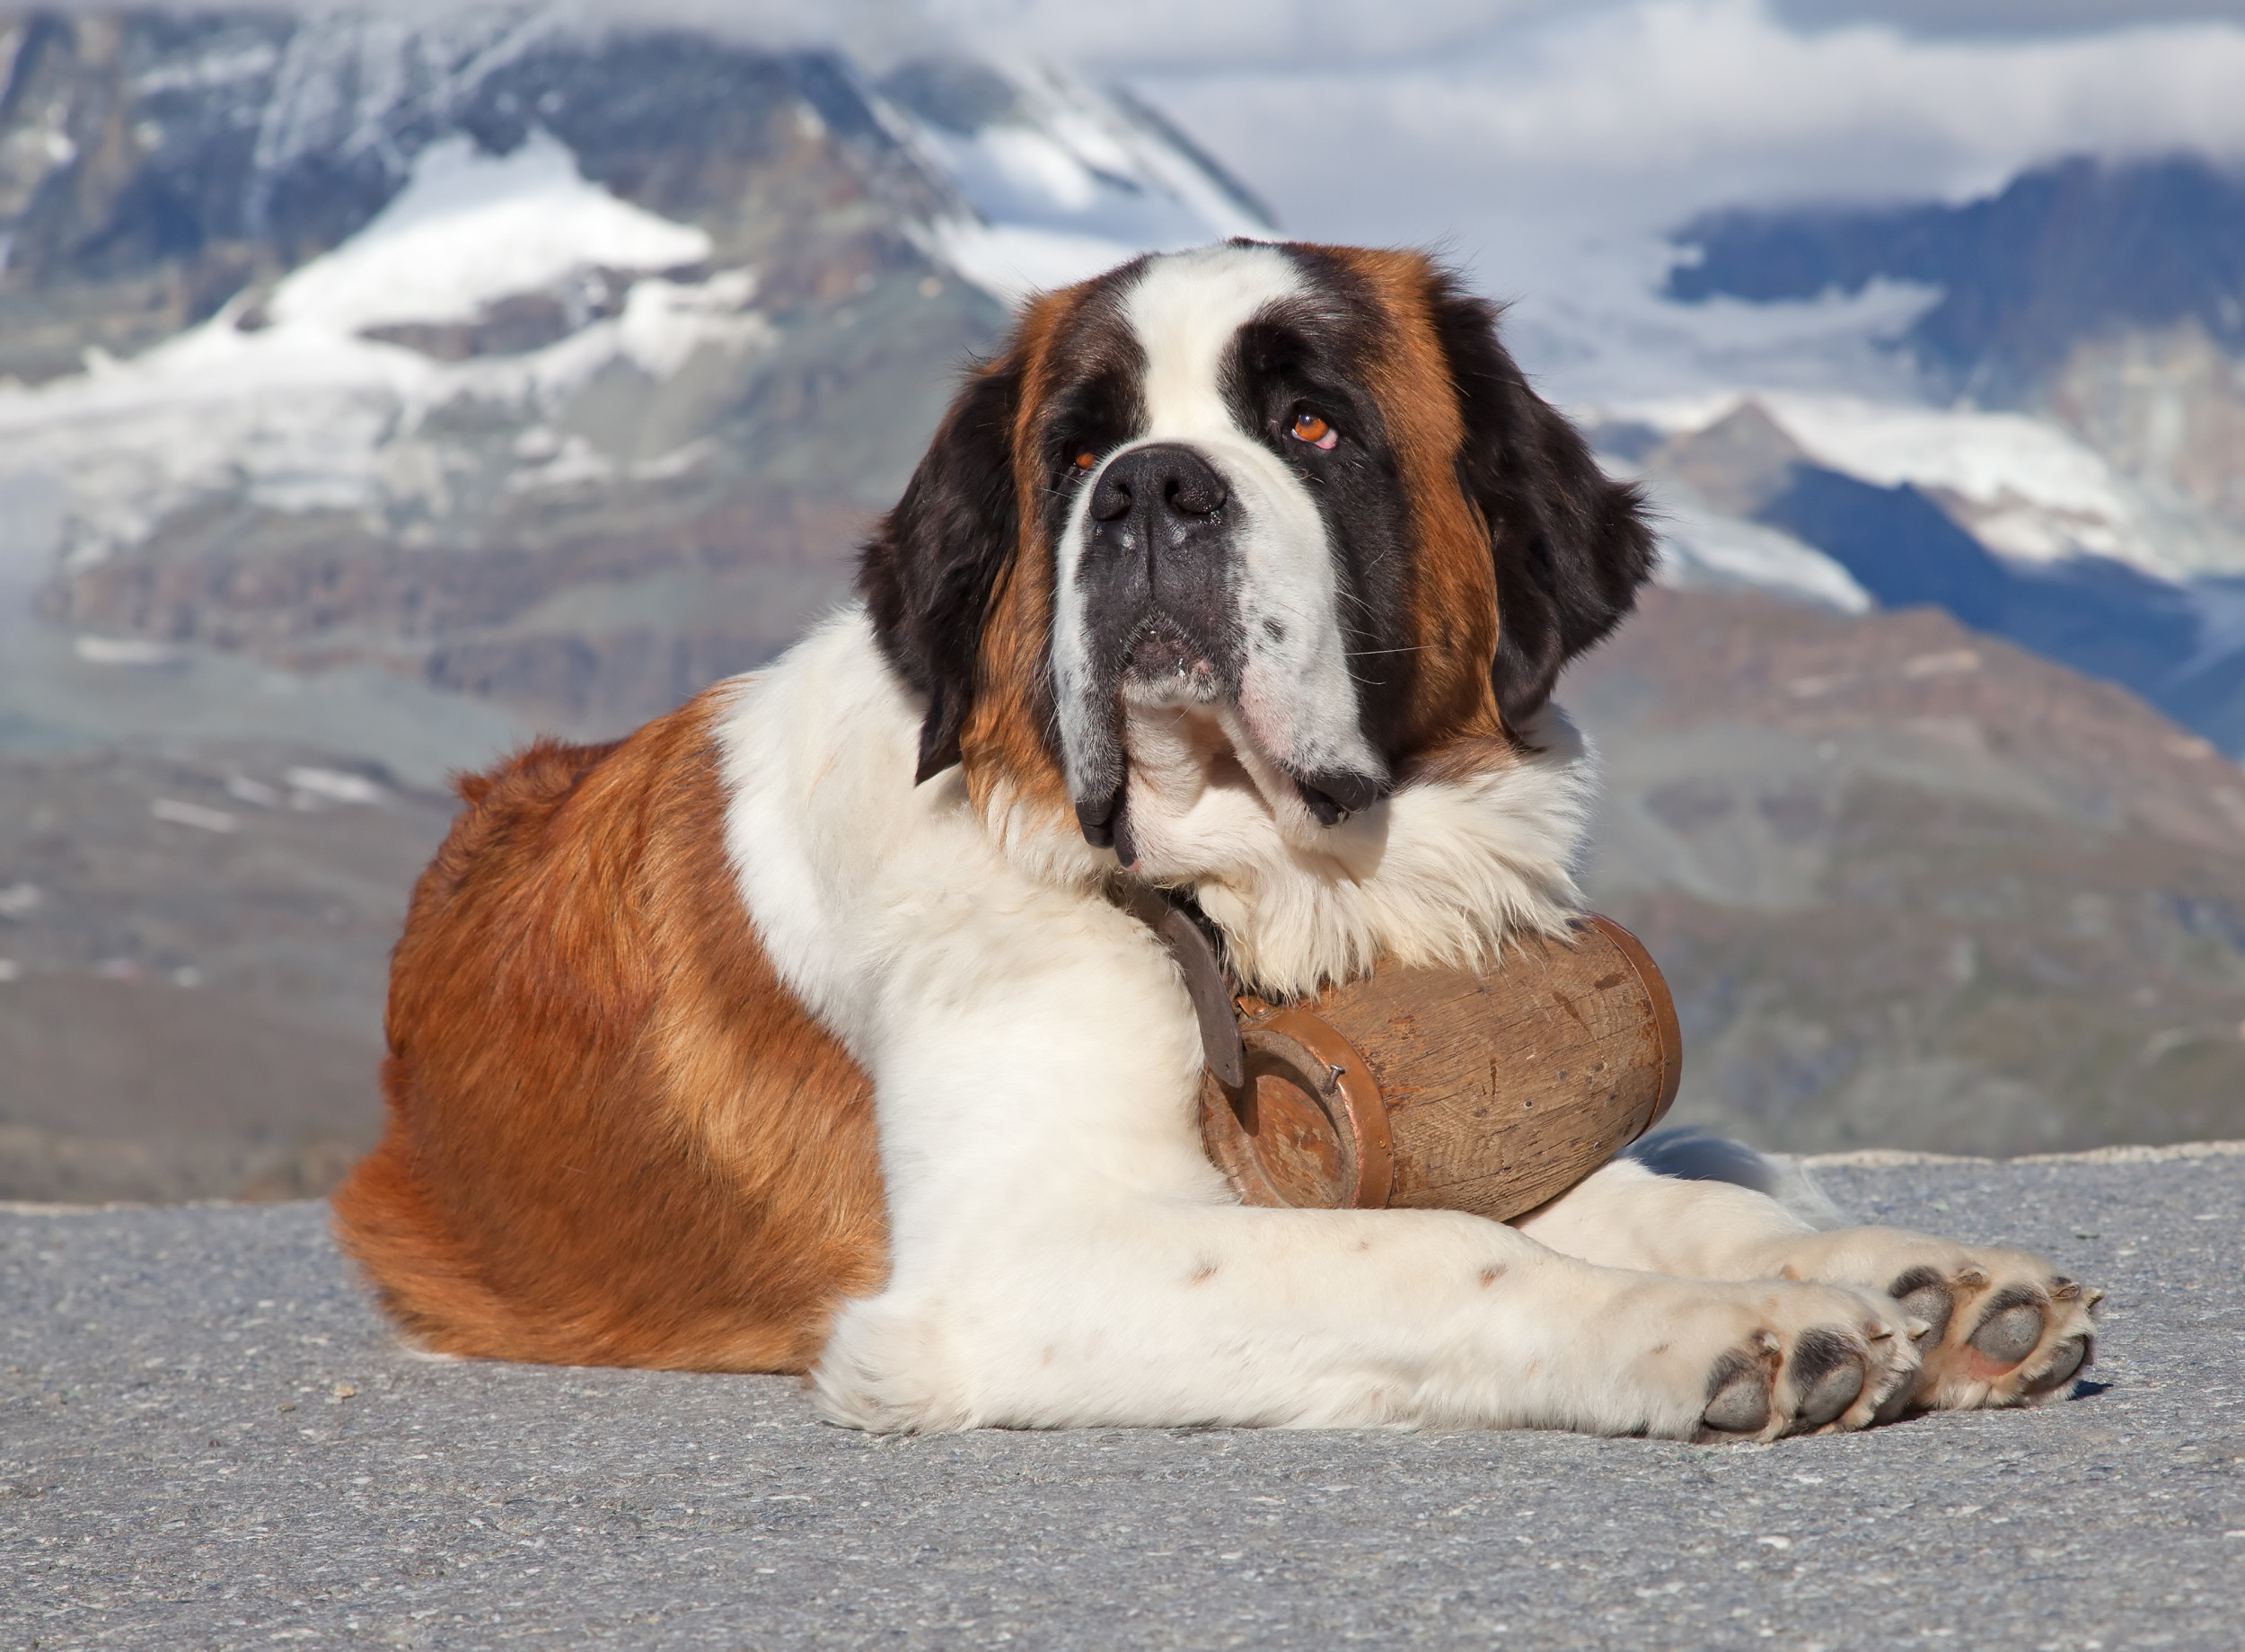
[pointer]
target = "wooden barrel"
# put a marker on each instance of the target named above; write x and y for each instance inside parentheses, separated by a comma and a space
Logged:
(1491, 1093)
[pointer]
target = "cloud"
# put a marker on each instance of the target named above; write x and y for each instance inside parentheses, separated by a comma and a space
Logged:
(1654, 110)
(1234, 35)
(1548, 154)
(2006, 17)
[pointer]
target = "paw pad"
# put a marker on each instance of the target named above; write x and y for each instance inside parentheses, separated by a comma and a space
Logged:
(1828, 1374)
(2011, 1327)
(1738, 1388)
(2067, 1357)
(1925, 1297)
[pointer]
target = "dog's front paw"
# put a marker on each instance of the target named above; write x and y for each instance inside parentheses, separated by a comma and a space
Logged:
(2004, 1327)
(2008, 1328)
(1802, 1359)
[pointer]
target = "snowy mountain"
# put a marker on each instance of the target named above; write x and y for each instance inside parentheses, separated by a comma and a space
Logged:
(2059, 257)
(1065, 179)
(2065, 470)
(507, 358)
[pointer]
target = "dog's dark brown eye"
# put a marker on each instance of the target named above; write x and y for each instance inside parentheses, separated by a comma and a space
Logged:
(1309, 427)
(1086, 459)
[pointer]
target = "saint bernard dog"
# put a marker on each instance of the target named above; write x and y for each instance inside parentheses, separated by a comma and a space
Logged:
(808, 1028)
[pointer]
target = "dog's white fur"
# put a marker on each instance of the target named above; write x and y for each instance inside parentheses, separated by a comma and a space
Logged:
(1063, 1251)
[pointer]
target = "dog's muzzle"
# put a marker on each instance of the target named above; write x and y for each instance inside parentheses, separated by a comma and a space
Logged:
(1159, 578)
(1158, 574)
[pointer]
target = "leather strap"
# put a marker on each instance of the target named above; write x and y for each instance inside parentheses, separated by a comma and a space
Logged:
(1205, 980)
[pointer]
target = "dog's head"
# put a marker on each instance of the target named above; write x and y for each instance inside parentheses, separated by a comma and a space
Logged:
(1284, 518)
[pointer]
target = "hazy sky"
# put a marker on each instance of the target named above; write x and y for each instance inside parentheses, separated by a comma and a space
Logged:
(1661, 105)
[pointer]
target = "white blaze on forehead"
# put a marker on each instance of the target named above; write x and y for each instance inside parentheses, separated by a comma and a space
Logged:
(1186, 311)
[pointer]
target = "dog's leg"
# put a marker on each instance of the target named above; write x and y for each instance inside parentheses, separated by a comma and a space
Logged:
(1145, 1312)
(2003, 1327)
(1064, 1254)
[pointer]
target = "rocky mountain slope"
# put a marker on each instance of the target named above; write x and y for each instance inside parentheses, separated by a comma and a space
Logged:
(2074, 480)
(1915, 887)
(197, 947)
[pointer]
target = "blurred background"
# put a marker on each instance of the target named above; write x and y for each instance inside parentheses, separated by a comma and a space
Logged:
(380, 386)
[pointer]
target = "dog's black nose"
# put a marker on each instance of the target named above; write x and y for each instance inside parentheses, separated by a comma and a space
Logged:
(1165, 477)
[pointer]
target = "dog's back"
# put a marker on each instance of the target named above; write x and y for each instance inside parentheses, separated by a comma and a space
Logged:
(622, 1147)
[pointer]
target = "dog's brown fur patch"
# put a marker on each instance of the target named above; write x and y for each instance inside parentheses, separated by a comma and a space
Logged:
(1003, 743)
(614, 1136)
(1454, 595)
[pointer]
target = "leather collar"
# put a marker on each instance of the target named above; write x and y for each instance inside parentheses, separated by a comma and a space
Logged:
(1170, 914)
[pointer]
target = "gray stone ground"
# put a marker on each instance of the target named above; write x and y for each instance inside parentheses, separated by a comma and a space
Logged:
(209, 1440)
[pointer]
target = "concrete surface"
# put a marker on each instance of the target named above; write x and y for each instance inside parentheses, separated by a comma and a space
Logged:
(208, 1439)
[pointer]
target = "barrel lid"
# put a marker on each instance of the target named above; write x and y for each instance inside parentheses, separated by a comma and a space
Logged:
(1666, 1029)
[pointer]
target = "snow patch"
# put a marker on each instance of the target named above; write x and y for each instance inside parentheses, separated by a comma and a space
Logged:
(305, 415)
(1072, 182)
(175, 811)
(2024, 488)
(1704, 550)
(245, 61)
(1012, 262)
(472, 228)
(132, 651)
(665, 323)
(334, 786)
(1989, 458)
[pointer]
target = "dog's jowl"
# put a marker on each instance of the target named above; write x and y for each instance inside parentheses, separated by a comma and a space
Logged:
(808, 1028)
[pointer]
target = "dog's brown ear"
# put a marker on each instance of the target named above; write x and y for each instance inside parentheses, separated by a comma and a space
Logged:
(927, 571)
(1572, 546)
